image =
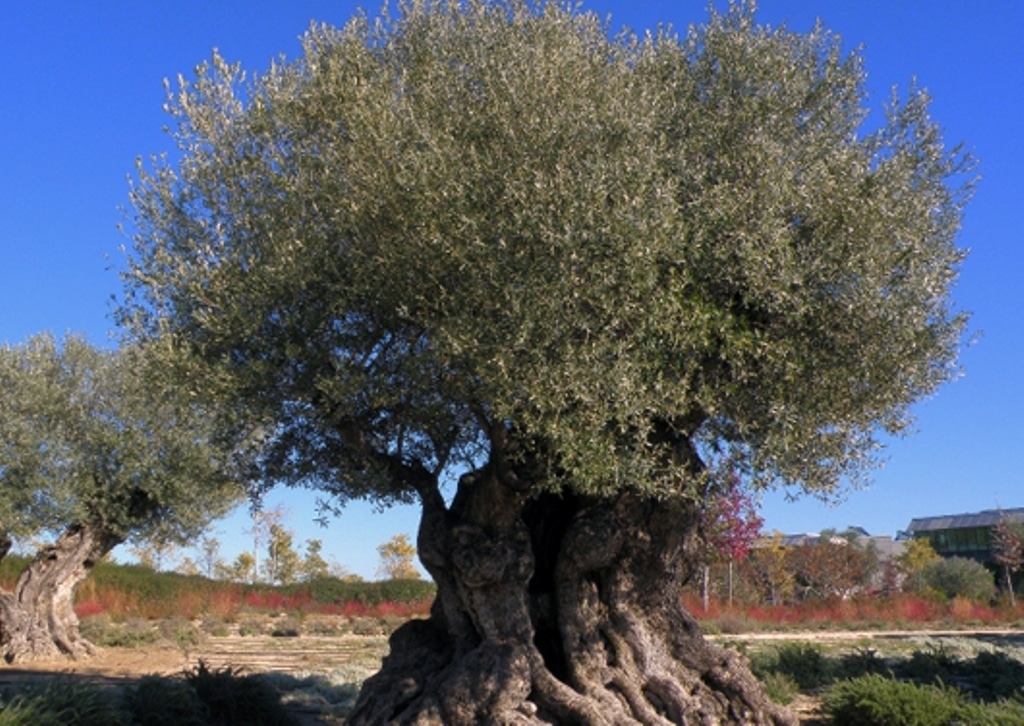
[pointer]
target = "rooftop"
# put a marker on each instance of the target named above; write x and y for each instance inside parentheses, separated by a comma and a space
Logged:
(987, 518)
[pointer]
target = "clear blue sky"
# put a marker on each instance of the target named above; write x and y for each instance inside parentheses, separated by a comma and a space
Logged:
(81, 94)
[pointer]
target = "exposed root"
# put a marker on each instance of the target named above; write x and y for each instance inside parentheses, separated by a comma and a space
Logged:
(595, 635)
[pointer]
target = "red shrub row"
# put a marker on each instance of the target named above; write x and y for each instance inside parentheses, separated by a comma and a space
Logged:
(896, 612)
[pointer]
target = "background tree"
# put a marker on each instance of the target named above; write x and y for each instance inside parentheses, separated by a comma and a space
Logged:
(188, 566)
(769, 569)
(1008, 550)
(731, 526)
(314, 566)
(98, 452)
(157, 554)
(952, 577)
(208, 558)
(833, 566)
(397, 559)
(486, 243)
(241, 569)
(917, 555)
(282, 563)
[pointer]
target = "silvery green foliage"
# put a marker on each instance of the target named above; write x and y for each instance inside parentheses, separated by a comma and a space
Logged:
(489, 229)
(91, 438)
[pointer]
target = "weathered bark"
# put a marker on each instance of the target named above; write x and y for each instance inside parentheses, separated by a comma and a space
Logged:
(558, 610)
(37, 619)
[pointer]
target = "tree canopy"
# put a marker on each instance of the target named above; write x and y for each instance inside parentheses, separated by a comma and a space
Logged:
(492, 231)
(583, 271)
(90, 439)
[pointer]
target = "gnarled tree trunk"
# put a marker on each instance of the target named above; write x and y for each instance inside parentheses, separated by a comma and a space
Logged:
(558, 610)
(37, 619)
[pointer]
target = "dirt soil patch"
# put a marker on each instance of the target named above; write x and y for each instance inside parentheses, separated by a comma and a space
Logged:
(316, 675)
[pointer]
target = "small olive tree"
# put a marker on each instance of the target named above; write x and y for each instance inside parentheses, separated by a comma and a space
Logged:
(960, 577)
(487, 243)
(96, 451)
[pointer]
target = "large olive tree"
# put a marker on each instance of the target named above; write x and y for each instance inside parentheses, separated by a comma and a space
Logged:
(96, 450)
(484, 243)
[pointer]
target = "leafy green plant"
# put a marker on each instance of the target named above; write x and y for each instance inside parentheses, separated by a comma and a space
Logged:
(216, 627)
(861, 662)
(62, 701)
(233, 697)
(875, 700)
(21, 711)
(250, 627)
(781, 688)
(160, 701)
(803, 664)
(288, 628)
(181, 632)
(101, 631)
(960, 576)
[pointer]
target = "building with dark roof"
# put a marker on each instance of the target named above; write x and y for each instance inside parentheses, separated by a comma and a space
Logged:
(963, 535)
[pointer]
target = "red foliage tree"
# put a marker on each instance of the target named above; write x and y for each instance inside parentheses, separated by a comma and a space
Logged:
(731, 524)
(1008, 550)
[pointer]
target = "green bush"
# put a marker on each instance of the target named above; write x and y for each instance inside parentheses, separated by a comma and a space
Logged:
(65, 702)
(215, 626)
(875, 700)
(287, 628)
(333, 590)
(960, 576)
(781, 689)
(236, 698)
(803, 664)
(249, 628)
(861, 662)
(100, 630)
(159, 701)
(17, 710)
(988, 676)
(181, 632)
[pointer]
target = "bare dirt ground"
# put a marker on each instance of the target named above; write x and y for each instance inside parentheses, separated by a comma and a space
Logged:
(315, 673)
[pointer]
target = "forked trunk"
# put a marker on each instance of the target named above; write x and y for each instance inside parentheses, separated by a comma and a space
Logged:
(37, 619)
(558, 611)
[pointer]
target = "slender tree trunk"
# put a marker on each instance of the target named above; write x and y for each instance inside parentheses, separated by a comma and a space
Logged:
(558, 611)
(1009, 586)
(730, 582)
(706, 586)
(37, 619)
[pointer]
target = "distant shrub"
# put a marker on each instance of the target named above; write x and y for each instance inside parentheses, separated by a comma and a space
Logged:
(215, 626)
(181, 632)
(960, 576)
(287, 628)
(333, 590)
(101, 631)
(249, 628)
